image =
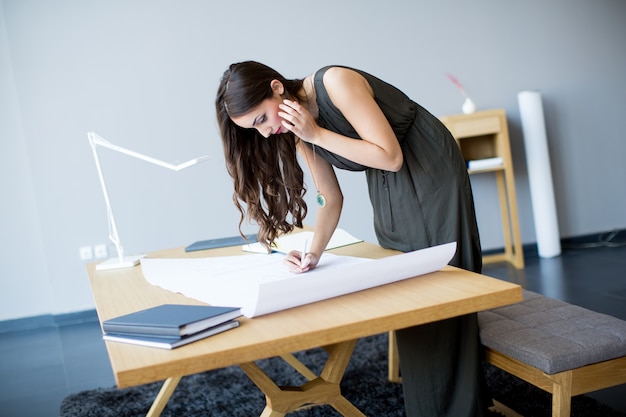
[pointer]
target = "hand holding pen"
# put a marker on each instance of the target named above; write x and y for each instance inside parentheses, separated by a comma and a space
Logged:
(302, 261)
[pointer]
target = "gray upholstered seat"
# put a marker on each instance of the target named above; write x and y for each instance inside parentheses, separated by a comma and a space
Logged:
(552, 335)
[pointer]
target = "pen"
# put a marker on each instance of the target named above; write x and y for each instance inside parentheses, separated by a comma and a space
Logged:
(303, 251)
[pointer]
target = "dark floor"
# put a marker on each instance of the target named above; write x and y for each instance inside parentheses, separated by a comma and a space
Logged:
(39, 367)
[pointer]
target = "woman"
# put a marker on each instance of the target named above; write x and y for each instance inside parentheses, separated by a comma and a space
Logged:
(418, 185)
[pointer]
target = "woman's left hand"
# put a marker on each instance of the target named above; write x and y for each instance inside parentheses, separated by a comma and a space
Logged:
(298, 120)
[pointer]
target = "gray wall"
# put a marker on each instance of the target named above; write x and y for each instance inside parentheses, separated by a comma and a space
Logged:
(143, 75)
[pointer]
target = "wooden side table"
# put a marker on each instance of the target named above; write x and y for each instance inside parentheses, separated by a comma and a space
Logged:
(484, 141)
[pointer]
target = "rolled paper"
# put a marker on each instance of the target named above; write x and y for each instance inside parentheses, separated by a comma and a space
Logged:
(539, 174)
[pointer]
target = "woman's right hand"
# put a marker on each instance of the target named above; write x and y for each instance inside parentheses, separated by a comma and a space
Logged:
(299, 120)
(297, 262)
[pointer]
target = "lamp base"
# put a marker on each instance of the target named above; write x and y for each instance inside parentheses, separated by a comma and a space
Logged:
(115, 263)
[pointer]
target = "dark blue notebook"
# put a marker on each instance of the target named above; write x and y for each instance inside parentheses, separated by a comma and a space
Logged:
(171, 319)
(221, 242)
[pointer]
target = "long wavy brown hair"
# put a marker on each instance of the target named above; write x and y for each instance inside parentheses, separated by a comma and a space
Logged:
(268, 180)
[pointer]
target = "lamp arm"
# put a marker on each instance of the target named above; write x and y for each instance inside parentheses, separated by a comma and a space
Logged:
(94, 141)
(114, 236)
(97, 140)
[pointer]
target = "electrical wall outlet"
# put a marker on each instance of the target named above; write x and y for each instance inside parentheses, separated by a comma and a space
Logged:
(100, 251)
(86, 253)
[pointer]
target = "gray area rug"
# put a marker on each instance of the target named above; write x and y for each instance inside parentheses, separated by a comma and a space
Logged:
(228, 392)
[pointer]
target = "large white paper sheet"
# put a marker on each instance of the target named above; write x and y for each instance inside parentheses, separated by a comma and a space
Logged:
(261, 284)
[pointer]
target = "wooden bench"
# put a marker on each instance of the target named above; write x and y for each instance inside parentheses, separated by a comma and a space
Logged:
(561, 348)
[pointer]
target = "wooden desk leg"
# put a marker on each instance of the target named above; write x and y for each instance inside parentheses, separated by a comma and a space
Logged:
(163, 396)
(335, 368)
(393, 365)
(298, 366)
(320, 390)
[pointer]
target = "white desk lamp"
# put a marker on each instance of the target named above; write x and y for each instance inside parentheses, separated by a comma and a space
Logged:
(122, 261)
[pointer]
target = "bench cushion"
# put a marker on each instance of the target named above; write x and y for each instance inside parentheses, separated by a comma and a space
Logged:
(552, 335)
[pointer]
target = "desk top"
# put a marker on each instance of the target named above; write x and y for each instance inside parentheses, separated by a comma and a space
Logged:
(427, 298)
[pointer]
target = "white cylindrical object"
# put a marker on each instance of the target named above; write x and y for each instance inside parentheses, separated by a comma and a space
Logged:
(539, 174)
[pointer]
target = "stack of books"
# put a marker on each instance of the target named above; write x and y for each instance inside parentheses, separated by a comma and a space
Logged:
(169, 326)
(485, 163)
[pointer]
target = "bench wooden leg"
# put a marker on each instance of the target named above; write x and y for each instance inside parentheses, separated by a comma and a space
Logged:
(503, 409)
(560, 385)
(561, 394)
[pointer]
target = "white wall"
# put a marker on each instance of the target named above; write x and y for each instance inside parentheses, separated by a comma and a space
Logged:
(143, 74)
(24, 279)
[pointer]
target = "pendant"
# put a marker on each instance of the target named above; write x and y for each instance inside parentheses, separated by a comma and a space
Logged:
(321, 200)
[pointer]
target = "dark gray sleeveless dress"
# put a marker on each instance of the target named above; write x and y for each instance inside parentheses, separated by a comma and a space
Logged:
(428, 202)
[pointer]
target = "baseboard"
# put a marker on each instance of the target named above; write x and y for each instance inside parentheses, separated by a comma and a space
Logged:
(48, 321)
(616, 237)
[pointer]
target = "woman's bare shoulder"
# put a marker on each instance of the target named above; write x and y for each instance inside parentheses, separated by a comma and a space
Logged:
(341, 75)
(341, 82)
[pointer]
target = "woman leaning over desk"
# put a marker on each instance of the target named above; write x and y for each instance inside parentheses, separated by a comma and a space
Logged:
(418, 185)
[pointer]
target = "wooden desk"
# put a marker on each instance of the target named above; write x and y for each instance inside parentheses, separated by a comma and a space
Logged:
(335, 324)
